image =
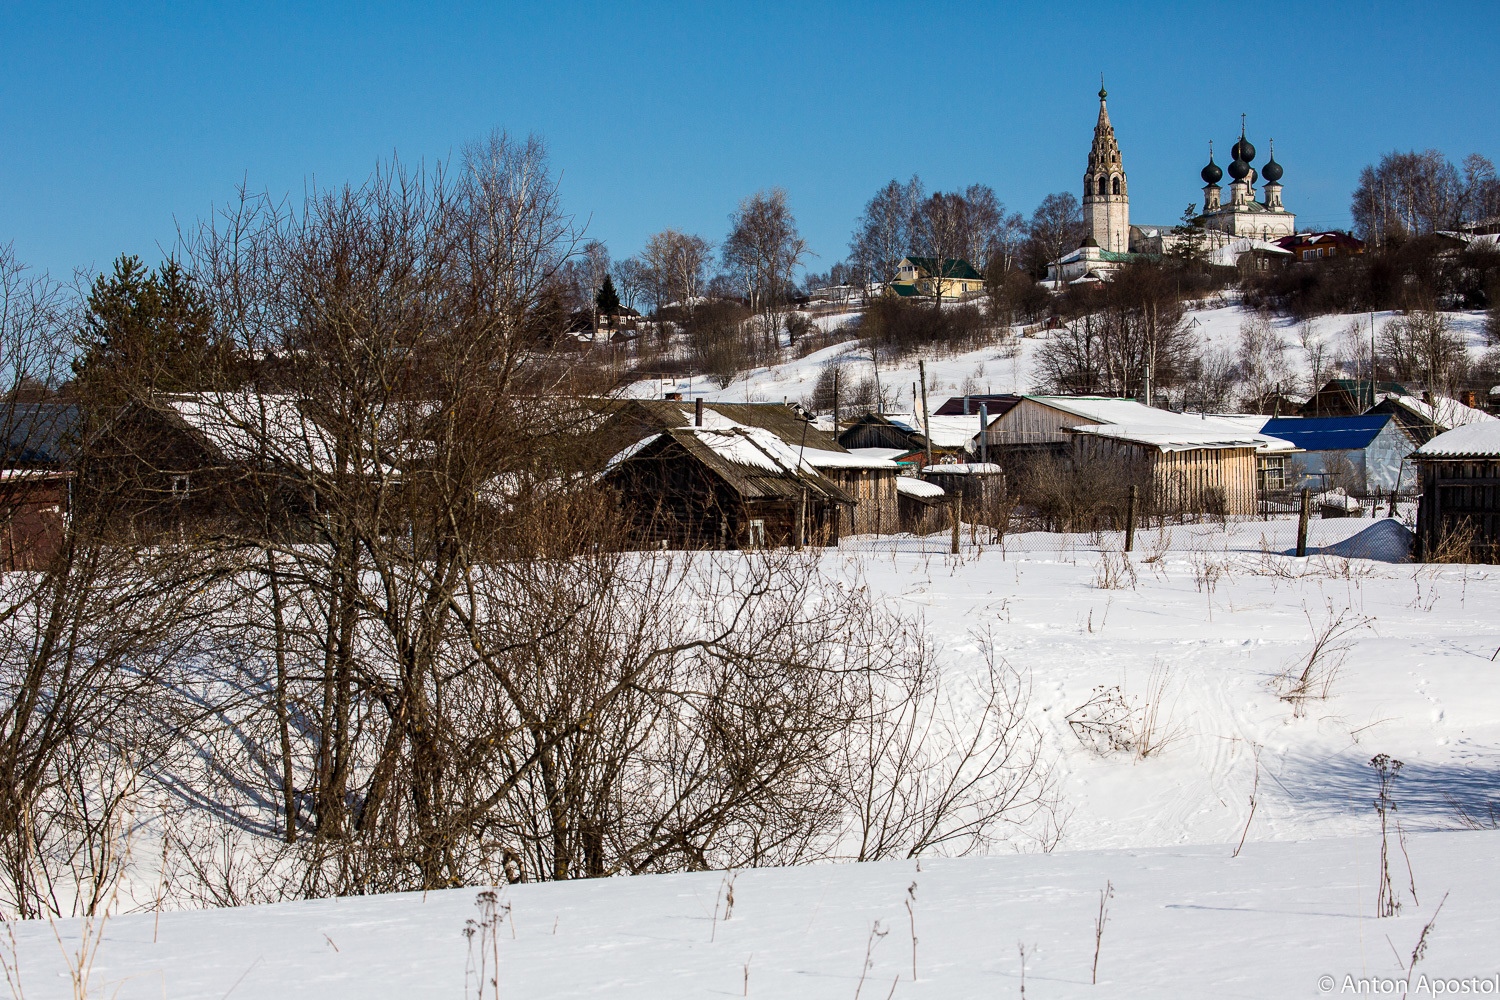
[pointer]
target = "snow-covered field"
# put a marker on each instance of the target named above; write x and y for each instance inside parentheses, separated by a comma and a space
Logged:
(1195, 631)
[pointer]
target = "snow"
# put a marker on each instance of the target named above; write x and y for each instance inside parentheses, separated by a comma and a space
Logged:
(1478, 439)
(890, 454)
(1182, 922)
(1205, 619)
(914, 487)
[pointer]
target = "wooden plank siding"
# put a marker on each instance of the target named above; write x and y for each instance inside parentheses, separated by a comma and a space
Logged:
(1459, 495)
(1197, 480)
(874, 490)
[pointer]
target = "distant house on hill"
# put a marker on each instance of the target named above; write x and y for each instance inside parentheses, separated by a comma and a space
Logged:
(1460, 479)
(1362, 454)
(1349, 397)
(1309, 248)
(922, 277)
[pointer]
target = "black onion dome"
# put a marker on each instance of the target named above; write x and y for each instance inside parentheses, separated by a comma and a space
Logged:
(1238, 169)
(1212, 173)
(1243, 150)
(1272, 173)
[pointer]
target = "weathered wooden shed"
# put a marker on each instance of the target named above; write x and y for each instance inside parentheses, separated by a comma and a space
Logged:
(733, 487)
(1188, 470)
(1459, 473)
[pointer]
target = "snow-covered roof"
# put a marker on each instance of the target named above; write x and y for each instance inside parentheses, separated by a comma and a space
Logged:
(1229, 254)
(1169, 437)
(1128, 420)
(820, 459)
(1481, 439)
(914, 487)
(889, 454)
(246, 426)
(955, 432)
(1444, 412)
(963, 469)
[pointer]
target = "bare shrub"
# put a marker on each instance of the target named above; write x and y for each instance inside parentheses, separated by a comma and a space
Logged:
(1115, 571)
(1311, 678)
(1111, 722)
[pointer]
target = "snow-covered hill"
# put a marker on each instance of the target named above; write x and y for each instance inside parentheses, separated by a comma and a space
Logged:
(1011, 367)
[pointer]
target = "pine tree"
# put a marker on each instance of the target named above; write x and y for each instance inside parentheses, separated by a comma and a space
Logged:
(144, 332)
(608, 300)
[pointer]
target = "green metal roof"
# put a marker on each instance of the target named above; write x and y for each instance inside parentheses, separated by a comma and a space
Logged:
(953, 267)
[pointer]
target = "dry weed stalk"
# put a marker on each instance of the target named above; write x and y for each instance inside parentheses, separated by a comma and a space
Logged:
(1386, 770)
(1115, 571)
(1105, 895)
(1110, 722)
(1312, 679)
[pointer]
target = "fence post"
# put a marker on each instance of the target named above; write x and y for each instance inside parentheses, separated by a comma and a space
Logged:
(802, 519)
(958, 516)
(1302, 523)
(1130, 520)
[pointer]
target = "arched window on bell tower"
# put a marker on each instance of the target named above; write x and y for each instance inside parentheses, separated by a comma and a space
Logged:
(1117, 185)
(1103, 189)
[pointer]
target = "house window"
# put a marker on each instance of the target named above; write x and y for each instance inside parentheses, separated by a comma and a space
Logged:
(1272, 474)
(757, 533)
(179, 487)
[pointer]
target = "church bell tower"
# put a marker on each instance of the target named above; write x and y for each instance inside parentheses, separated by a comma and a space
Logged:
(1106, 198)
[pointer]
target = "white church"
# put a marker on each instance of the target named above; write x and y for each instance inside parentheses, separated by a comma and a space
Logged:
(1229, 228)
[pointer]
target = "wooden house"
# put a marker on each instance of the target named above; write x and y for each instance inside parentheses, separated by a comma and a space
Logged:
(922, 507)
(1363, 454)
(1349, 397)
(35, 505)
(1459, 474)
(1193, 471)
(924, 277)
(40, 440)
(731, 487)
(869, 480)
(1424, 419)
(1189, 462)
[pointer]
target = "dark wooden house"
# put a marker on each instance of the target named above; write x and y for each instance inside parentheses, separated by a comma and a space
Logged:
(36, 481)
(1348, 397)
(1459, 474)
(735, 487)
(869, 482)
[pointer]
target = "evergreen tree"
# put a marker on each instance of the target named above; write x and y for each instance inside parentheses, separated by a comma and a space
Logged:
(608, 300)
(144, 332)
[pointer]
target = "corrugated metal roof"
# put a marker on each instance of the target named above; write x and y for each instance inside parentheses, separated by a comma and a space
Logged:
(1328, 433)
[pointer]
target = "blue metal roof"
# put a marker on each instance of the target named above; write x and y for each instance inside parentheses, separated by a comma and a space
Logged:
(1328, 433)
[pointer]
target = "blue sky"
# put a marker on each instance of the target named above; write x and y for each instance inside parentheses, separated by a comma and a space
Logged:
(120, 121)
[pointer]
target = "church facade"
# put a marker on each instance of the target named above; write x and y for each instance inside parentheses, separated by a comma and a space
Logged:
(1110, 240)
